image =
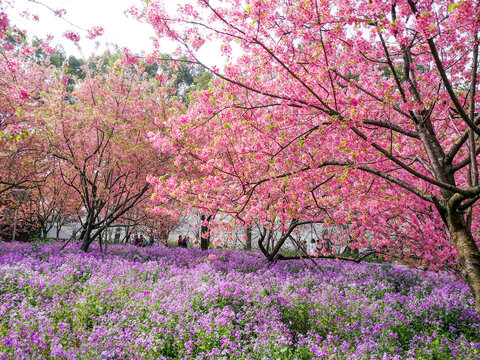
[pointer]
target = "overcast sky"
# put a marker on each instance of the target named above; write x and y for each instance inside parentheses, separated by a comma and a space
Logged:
(86, 13)
(119, 29)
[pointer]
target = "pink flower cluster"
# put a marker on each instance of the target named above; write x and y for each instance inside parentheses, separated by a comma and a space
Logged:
(72, 35)
(3, 24)
(60, 12)
(130, 59)
(95, 32)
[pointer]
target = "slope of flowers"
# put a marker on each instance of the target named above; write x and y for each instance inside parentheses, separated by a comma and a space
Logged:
(158, 303)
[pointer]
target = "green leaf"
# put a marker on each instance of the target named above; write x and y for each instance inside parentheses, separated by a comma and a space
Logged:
(452, 7)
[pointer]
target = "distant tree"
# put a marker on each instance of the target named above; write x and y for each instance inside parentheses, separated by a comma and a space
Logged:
(101, 144)
(188, 77)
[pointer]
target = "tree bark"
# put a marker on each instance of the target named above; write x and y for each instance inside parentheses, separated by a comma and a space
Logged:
(468, 252)
(274, 253)
(248, 233)
(205, 233)
(86, 239)
(57, 233)
(127, 235)
(117, 235)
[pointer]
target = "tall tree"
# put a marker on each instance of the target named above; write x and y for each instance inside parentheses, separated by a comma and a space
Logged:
(373, 103)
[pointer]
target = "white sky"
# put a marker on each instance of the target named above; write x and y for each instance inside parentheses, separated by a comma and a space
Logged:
(119, 29)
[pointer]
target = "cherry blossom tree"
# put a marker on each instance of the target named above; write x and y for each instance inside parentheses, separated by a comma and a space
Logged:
(22, 82)
(77, 147)
(362, 113)
(97, 139)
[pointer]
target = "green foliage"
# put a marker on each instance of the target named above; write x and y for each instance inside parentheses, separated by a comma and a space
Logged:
(188, 77)
(298, 319)
(108, 58)
(75, 67)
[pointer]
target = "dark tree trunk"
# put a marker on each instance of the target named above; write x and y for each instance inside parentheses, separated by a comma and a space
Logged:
(328, 246)
(59, 225)
(85, 245)
(117, 236)
(100, 242)
(248, 233)
(274, 253)
(347, 251)
(164, 236)
(204, 242)
(205, 233)
(127, 235)
(86, 237)
(468, 252)
(44, 233)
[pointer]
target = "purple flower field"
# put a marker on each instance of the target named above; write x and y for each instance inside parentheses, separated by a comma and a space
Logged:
(159, 303)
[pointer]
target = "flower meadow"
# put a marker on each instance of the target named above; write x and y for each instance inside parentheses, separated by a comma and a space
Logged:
(164, 303)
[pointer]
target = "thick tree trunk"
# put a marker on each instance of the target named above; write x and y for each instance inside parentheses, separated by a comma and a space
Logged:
(86, 241)
(204, 242)
(468, 252)
(85, 245)
(248, 233)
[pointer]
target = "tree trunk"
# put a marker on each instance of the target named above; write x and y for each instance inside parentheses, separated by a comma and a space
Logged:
(44, 233)
(204, 239)
(248, 233)
(164, 237)
(468, 252)
(85, 244)
(117, 236)
(347, 251)
(86, 240)
(328, 246)
(127, 235)
(100, 241)
(275, 252)
(205, 234)
(57, 233)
